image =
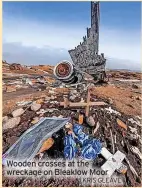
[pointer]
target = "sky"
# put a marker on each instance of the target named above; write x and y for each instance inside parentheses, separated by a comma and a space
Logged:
(43, 32)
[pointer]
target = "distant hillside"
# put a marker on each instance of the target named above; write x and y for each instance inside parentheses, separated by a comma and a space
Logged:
(46, 68)
(23, 69)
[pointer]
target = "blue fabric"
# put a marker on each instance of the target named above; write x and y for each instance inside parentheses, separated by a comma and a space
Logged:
(90, 147)
(82, 138)
(77, 129)
(70, 147)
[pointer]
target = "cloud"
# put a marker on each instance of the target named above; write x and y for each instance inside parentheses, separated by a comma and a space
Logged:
(18, 53)
(29, 55)
(37, 43)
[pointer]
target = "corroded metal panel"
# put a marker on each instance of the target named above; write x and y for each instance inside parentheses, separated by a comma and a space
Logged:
(85, 55)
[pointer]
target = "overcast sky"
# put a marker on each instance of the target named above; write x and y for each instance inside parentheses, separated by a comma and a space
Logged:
(43, 32)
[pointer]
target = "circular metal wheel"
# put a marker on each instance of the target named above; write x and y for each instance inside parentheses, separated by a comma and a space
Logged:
(63, 70)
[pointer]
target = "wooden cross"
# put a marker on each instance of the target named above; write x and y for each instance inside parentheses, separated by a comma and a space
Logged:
(87, 105)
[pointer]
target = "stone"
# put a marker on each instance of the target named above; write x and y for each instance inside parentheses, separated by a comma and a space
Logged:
(51, 110)
(23, 103)
(110, 101)
(138, 98)
(135, 86)
(47, 98)
(68, 126)
(10, 89)
(12, 140)
(5, 119)
(111, 111)
(42, 111)
(11, 123)
(53, 97)
(82, 100)
(18, 112)
(73, 92)
(51, 92)
(35, 120)
(35, 107)
(90, 120)
(60, 116)
(135, 122)
(72, 97)
(16, 66)
(39, 101)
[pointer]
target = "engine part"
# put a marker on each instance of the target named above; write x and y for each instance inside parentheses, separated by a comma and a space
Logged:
(66, 72)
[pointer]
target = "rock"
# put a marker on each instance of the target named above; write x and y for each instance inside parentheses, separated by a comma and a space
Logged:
(18, 112)
(42, 111)
(11, 123)
(16, 66)
(82, 100)
(72, 97)
(134, 122)
(54, 102)
(10, 89)
(138, 98)
(110, 101)
(39, 101)
(51, 92)
(139, 118)
(73, 92)
(41, 115)
(5, 119)
(47, 98)
(60, 116)
(94, 116)
(90, 121)
(23, 103)
(12, 140)
(35, 107)
(110, 110)
(135, 86)
(53, 97)
(35, 120)
(68, 125)
(51, 110)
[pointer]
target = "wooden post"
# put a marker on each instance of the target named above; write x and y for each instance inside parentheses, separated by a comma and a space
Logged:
(88, 103)
(82, 104)
(66, 102)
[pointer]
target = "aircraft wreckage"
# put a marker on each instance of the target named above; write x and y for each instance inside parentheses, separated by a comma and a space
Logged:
(85, 56)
